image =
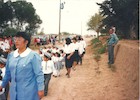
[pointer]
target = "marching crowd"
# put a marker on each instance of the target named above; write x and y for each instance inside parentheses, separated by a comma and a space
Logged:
(25, 70)
(28, 73)
(54, 58)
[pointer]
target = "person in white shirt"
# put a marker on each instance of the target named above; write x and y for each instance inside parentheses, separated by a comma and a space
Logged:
(44, 49)
(57, 64)
(6, 43)
(47, 68)
(55, 60)
(75, 55)
(84, 45)
(81, 50)
(3, 93)
(69, 51)
(2, 46)
(62, 58)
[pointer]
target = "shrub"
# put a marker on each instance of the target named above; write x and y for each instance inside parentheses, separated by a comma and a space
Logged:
(96, 40)
(102, 49)
(98, 48)
(96, 43)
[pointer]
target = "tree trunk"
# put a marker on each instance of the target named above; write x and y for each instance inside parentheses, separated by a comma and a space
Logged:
(97, 33)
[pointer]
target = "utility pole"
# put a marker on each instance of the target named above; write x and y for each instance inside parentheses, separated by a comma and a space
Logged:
(81, 28)
(60, 7)
(59, 20)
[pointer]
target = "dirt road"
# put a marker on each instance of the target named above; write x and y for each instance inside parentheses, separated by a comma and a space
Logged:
(79, 86)
(91, 81)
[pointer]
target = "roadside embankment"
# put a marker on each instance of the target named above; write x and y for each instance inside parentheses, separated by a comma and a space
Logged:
(127, 65)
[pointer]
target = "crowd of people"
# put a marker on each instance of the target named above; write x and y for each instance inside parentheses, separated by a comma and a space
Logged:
(45, 40)
(55, 58)
(25, 70)
(28, 73)
(6, 44)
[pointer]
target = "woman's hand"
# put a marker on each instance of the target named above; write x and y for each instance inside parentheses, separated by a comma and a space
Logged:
(1, 88)
(68, 57)
(41, 94)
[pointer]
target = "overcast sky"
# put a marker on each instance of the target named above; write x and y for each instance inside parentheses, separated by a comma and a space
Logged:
(74, 16)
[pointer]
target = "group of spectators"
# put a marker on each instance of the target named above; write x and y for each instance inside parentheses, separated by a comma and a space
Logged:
(44, 40)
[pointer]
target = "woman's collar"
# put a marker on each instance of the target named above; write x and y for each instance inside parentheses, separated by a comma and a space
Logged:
(23, 54)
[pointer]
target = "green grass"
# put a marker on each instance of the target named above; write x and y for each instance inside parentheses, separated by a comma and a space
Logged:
(98, 48)
(102, 49)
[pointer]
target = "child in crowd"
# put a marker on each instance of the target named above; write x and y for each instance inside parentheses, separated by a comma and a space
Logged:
(58, 64)
(44, 49)
(48, 68)
(55, 60)
(62, 58)
(40, 53)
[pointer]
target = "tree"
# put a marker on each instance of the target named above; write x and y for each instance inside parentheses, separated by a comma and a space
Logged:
(33, 25)
(19, 15)
(123, 14)
(95, 23)
(25, 16)
(9, 32)
(5, 15)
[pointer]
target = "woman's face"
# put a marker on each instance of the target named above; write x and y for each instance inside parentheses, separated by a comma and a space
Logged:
(20, 42)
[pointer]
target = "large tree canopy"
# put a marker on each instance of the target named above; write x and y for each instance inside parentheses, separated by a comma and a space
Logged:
(18, 15)
(123, 14)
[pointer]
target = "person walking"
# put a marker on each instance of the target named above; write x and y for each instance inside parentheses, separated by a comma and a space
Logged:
(23, 70)
(84, 46)
(76, 53)
(69, 51)
(113, 40)
(81, 50)
(48, 68)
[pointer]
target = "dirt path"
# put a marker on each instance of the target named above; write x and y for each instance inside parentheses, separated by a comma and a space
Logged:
(79, 86)
(91, 81)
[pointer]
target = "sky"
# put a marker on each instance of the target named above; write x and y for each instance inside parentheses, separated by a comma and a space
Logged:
(74, 16)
